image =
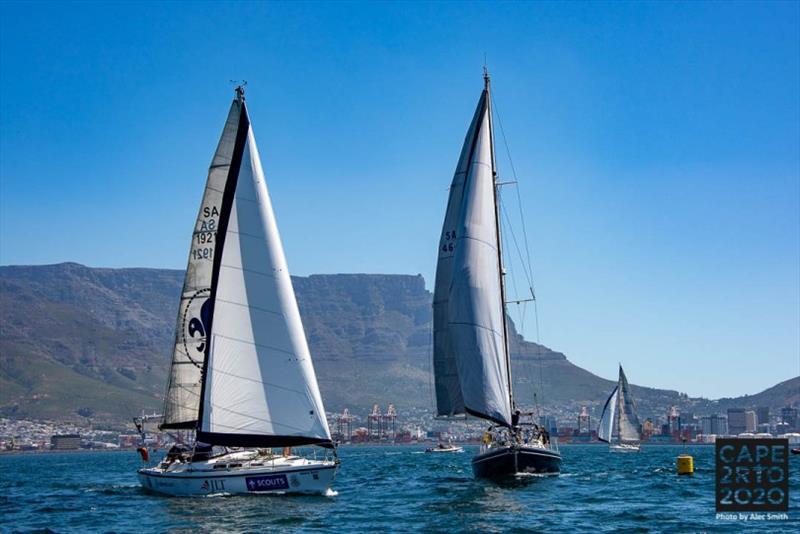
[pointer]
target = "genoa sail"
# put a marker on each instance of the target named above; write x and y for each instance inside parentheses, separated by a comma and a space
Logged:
(182, 399)
(473, 334)
(606, 428)
(259, 387)
(628, 423)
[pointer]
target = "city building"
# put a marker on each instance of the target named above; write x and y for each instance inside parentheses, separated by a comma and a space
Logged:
(647, 428)
(789, 418)
(64, 442)
(673, 421)
(736, 421)
(714, 424)
(584, 421)
(750, 422)
(762, 416)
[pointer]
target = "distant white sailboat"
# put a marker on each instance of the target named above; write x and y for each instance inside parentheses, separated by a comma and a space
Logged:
(619, 423)
(241, 376)
(472, 367)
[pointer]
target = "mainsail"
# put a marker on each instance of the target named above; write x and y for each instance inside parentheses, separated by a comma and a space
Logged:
(628, 425)
(470, 353)
(182, 399)
(449, 400)
(606, 428)
(259, 387)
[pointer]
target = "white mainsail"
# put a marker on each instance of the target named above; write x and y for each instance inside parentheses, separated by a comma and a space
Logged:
(182, 399)
(474, 336)
(606, 428)
(259, 388)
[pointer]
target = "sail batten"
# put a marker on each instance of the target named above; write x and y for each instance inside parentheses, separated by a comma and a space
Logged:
(259, 387)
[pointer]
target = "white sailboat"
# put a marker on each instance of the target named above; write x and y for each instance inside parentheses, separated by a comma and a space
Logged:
(472, 368)
(619, 423)
(241, 377)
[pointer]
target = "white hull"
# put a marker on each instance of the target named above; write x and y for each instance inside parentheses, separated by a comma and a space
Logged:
(227, 475)
(623, 448)
(448, 449)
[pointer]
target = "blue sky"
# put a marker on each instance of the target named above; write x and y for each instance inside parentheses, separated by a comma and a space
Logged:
(657, 147)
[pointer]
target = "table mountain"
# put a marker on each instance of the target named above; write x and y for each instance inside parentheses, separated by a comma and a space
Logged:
(76, 340)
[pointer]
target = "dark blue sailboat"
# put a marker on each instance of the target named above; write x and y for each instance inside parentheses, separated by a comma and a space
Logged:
(471, 352)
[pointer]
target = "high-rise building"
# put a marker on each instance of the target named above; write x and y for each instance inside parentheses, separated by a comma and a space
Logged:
(736, 421)
(762, 415)
(750, 421)
(789, 417)
(673, 420)
(714, 424)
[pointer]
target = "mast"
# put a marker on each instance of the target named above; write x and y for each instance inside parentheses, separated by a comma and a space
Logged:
(507, 355)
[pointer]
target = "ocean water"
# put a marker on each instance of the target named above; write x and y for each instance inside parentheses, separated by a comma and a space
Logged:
(386, 489)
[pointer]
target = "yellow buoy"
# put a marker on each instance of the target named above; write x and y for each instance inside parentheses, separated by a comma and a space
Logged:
(685, 464)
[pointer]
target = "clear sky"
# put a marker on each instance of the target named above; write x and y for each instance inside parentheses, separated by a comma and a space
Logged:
(657, 147)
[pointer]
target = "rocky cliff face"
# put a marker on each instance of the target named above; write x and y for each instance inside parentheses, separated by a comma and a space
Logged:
(74, 338)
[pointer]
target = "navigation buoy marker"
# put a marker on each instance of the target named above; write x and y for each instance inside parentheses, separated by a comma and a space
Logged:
(685, 462)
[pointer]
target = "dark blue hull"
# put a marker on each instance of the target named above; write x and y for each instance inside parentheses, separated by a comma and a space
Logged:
(508, 461)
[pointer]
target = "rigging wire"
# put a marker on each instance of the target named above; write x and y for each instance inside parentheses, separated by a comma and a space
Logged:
(527, 265)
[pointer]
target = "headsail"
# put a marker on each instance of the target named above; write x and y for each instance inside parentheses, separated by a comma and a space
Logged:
(475, 324)
(182, 399)
(628, 425)
(606, 428)
(259, 389)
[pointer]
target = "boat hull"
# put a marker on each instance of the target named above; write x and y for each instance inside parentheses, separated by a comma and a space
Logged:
(503, 462)
(450, 450)
(313, 478)
(623, 448)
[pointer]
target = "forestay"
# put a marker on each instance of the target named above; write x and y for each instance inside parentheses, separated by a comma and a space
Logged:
(182, 398)
(260, 388)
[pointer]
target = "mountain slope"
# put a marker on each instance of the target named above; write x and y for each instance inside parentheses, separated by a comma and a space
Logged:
(75, 339)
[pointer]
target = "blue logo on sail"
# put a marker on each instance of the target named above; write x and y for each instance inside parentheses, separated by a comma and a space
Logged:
(267, 483)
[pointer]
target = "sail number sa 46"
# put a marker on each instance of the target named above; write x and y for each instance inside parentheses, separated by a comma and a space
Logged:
(449, 241)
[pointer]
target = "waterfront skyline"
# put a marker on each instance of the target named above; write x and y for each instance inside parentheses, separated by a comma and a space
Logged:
(656, 146)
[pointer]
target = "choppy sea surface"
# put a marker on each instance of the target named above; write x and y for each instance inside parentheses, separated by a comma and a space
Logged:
(386, 489)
